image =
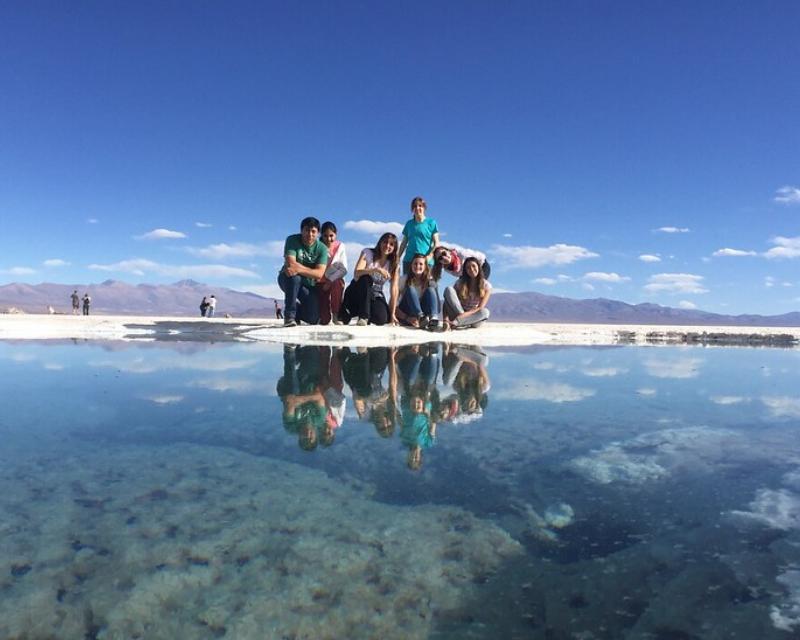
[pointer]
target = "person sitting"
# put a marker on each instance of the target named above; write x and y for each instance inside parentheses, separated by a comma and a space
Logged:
(331, 286)
(364, 297)
(419, 300)
(305, 261)
(465, 301)
(451, 260)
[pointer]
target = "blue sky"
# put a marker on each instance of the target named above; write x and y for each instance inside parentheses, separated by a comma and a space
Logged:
(642, 151)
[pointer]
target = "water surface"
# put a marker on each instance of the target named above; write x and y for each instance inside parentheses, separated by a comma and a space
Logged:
(164, 490)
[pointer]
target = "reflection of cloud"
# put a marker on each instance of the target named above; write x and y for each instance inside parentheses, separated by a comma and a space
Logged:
(53, 366)
(679, 368)
(777, 509)
(235, 385)
(786, 615)
(164, 399)
(149, 365)
(724, 400)
(557, 392)
(603, 372)
(782, 406)
(646, 391)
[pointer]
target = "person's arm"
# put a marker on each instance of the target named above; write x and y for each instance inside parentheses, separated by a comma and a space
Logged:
(402, 248)
(393, 294)
(481, 305)
(293, 268)
(361, 266)
(434, 244)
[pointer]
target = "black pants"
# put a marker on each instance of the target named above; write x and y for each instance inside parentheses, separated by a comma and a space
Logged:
(361, 301)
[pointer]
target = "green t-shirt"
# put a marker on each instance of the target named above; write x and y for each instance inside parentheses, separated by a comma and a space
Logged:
(311, 256)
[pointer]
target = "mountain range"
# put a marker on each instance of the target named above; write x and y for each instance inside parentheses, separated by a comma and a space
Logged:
(183, 299)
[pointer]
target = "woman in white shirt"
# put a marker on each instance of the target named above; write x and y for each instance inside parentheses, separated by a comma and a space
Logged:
(364, 297)
(331, 286)
(465, 302)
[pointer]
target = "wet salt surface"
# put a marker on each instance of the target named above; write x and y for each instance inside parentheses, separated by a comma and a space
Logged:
(246, 491)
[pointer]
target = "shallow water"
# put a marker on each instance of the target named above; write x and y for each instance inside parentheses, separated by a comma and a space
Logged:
(165, 490)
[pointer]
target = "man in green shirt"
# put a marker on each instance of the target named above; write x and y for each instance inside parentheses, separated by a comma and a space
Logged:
(305, 258)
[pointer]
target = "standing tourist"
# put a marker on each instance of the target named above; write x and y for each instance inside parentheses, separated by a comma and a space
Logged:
(278, 310)
(203, 307)
(87, 302)
(76, 303)
(420, 235)
(305, 260)
(212, 305)
(331, 286)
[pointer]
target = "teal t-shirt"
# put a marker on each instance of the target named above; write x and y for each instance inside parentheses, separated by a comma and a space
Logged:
(420, 238)
(311, 256)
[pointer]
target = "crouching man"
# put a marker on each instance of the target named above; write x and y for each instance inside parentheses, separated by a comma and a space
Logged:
(305, 258)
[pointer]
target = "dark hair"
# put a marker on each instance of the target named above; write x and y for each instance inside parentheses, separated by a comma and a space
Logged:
(418, 199)
(328, 226)
(376, 251)
(311, 222)
(466, 285)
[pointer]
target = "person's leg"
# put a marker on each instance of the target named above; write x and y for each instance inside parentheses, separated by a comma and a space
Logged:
(308, 305)
(379, 312)
(452, 303)
(337, 292)
(362, 298)
(430, 303)
(210, 313)
(410, 304)
(474, 318)
(290, 285)
(324, 304)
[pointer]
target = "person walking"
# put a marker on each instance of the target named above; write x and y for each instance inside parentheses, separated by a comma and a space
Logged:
(76, 303)
(87, 301)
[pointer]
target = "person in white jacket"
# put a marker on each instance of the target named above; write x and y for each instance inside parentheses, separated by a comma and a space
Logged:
(330, 287)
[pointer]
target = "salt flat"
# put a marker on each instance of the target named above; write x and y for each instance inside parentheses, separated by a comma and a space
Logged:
(491, 334)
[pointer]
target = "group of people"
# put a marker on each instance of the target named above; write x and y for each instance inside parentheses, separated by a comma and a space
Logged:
(426, 385)
(76, 303)
(207, 306)
(315, 265)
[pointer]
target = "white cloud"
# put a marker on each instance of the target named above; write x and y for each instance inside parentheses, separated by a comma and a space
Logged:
(55, 262)
(587, 287)
(646, 391)
(531, 389)
(374, 227)
(19, 271)
(785, 248)
(649, 257)
(162, 400)
(782, 406)
(232, 228)
(140, 267)
(687, 304)
(92, 221)
(677, 368)
(161, 234)
(769, 281)
(603, 372)
(676, 283)
(600, 276)
(728, 400)
(546, 281)
(787, 195)
(224, 251)
(732, 253)
(673, 229)
(203, 225)
(507, 235)
(533, 257)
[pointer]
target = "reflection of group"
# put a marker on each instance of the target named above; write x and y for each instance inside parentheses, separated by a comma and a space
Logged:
(315, 265)
(411, 389)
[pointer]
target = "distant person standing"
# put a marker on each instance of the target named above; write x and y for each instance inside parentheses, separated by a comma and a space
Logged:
(278, 310)
(212, 304)
(76, 303)
(203, 306)
(87, 302)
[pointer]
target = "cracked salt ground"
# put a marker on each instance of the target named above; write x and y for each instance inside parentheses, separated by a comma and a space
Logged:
(429, 491)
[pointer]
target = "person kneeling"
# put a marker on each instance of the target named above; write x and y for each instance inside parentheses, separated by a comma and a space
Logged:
(465, 301)
(305, 260)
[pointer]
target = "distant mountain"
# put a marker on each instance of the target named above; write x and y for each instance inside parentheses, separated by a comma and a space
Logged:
(537, 307)
(114, 297)
(183, 299)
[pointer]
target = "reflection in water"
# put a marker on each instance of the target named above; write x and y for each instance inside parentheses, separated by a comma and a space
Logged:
(416, 386)
(167, 492)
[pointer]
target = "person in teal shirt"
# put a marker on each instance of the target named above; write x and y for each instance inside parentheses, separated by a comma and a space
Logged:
(305, 260)
(420, 235)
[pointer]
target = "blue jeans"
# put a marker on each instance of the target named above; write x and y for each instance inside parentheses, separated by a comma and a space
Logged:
(300, 302)
(412, 305)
